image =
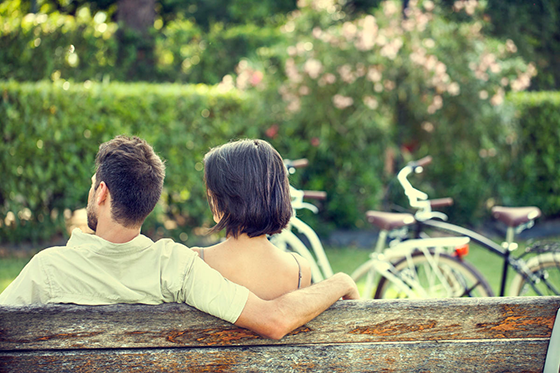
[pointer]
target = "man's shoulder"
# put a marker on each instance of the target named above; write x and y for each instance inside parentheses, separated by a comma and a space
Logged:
(169, 245)
(53, 250)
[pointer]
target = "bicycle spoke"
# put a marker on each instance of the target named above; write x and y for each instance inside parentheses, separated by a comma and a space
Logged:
(444, 277)
(468, 291)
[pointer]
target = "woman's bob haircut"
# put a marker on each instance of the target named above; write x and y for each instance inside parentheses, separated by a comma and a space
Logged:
(247, 187)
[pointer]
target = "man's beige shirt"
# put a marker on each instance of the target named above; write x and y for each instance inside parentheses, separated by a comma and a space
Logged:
(91, 270)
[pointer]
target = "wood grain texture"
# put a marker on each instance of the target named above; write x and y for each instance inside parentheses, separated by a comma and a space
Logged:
(430, 356)
(178, 325)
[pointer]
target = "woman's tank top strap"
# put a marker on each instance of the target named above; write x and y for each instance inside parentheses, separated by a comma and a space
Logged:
(299, 271)
(201, 253)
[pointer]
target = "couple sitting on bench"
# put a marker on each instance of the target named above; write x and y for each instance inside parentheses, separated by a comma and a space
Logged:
(244, 280)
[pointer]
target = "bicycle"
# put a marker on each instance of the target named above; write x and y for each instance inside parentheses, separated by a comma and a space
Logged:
(288, 240)
(537, 275)
(414, 268)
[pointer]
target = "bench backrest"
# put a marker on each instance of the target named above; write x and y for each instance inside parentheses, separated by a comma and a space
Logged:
(475, 334)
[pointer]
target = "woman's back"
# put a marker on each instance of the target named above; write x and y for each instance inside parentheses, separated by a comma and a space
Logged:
(249, 195)
(258, 265)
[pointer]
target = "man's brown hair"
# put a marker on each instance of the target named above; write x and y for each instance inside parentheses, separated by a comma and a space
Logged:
(134, 175)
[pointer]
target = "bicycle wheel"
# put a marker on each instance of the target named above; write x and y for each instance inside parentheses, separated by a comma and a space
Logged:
(441, 276)
(543, 279)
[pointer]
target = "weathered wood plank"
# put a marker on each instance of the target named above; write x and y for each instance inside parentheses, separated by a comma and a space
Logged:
(174, 325)
(431, 356)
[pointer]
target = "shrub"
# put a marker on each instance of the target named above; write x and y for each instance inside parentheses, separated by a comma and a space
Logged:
(532, 177)
(379, 84)
(42, 47)
(535, 29)
(187, 54)
(37, 46)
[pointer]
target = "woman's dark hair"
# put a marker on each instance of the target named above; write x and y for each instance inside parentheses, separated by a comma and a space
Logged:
(134, 175)
(248, 188)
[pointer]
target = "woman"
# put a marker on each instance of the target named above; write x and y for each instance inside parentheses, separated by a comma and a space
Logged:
(248, 193)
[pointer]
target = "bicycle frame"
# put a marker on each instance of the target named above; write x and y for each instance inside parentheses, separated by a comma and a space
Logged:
(320, 267)
(425, 217)
(315, 243)
(508, 261)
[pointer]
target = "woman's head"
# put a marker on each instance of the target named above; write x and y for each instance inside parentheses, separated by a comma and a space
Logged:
(248, 188)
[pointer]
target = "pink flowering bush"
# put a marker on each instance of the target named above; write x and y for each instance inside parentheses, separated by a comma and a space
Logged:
(379, 61)
(373, 89)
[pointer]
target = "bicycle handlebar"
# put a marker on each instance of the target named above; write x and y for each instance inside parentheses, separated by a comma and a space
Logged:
(441, 202)
(298, 195)
(315, 194)
(296, 163)
(422, 162)
(418, 199)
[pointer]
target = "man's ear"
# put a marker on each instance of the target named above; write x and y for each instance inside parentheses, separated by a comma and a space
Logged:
(102, 193)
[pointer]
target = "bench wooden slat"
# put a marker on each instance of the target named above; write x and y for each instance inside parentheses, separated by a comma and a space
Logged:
(475, 334)
(473, 356)
(174, 325)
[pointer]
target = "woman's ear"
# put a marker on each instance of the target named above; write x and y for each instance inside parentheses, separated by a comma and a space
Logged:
(216, 215)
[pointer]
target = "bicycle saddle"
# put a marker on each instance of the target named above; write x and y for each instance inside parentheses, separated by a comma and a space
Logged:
(515, 216)
(389, 220)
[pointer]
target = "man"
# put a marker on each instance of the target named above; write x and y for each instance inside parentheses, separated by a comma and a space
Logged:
(117, 264)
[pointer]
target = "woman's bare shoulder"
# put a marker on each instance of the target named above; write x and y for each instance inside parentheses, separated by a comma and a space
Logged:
(305, 268)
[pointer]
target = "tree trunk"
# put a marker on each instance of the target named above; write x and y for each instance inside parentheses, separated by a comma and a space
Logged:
(138, 15)
(136, 42)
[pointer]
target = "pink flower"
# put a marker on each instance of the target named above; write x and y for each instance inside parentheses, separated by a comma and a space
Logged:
(315, 141)
(313, 68)
(346, 74)
(304, 90)
(272, 132)
(342, 102)
(349, 30)
(256, 78)
(510, 46)
(370, 102)
(374, 75)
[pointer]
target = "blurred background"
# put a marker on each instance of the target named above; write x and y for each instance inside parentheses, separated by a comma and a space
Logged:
(357, 87)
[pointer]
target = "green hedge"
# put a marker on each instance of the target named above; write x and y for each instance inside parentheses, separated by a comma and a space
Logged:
(51, 133)
(518, 168)
(533, 176)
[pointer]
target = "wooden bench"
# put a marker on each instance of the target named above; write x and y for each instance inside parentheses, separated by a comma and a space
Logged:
(445, 335)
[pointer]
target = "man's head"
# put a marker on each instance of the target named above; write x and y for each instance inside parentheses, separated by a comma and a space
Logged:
(248, 188)
(133, 175)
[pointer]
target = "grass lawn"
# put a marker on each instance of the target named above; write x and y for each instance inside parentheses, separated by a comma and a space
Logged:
(341, 259)
(9, 268)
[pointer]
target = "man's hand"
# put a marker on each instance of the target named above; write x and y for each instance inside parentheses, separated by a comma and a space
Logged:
(275, 318)
(353, 293)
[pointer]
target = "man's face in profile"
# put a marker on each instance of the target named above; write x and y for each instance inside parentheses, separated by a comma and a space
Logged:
(91, 210)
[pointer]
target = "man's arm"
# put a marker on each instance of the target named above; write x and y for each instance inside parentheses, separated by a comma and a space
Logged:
(276, 318)
(30, 286)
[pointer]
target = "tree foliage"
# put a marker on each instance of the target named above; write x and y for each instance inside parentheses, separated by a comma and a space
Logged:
(370, 87)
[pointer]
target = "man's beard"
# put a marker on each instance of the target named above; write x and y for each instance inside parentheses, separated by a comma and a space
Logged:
(91, 218)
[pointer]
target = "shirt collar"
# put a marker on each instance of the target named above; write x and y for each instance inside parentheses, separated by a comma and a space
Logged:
(79, 238)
